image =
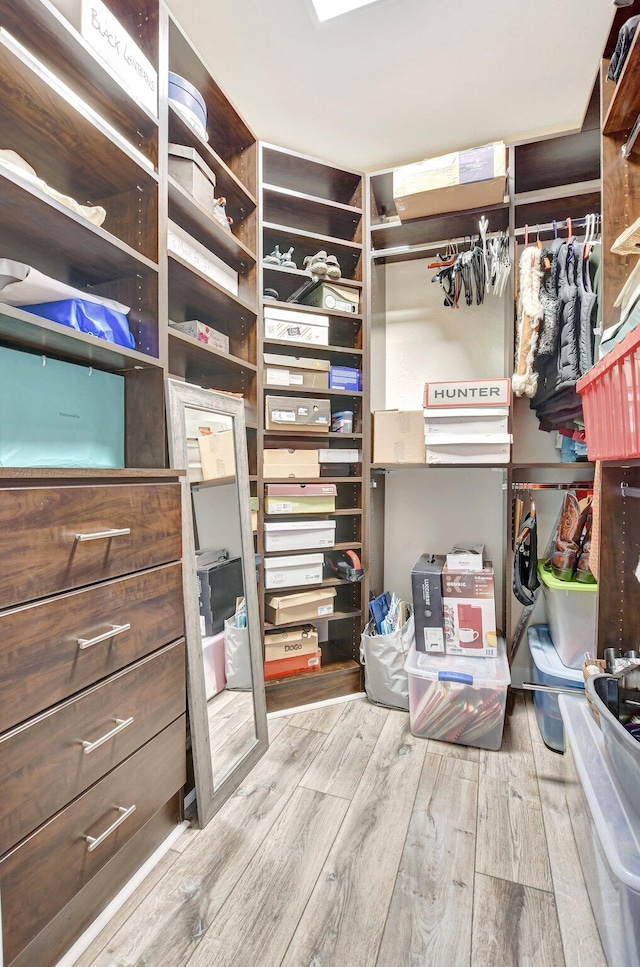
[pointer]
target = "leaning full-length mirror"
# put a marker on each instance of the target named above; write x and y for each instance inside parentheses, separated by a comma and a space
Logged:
(227, 713)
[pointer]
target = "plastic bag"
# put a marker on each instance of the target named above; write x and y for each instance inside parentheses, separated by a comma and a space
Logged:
(385, 680)
(237, 657)
(89, 317)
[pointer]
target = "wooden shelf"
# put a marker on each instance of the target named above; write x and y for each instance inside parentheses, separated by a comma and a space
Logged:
(30, 218)
(342, 512)
(304, 391)
(302, 173)
(314, 311)
(186, 348)
(394, 234)
(345, 614)
(308, 213)
(625, 103)
(47, 33)
(330, 681)
(313, 436)
(23, 329)
(325, 351)
(201, 294)
(341, 546)
(439, 466)
(326, 583)
(208, 484)
(314, 480)
(329, 242)
(303, 274)
(196, 220)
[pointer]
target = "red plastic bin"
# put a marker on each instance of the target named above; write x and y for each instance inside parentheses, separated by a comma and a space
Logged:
(611, 402)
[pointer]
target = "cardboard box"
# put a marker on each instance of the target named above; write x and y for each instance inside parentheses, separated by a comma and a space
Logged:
(340, 455)
(292, 326)
(484, 451)
(346, 378)
(398, 436)
(292, 666)
(296, 371)
(451, 183)
(193, 253)
(220, 584)
(334, 297)
(193, 174)
(300, 498)
(291, 464)
(292, 572)
(466, 557)
(203, 333)
(470, 612)
(282, 609)
(293, 641)
(217, 455)
(299, 535)
(298, 415)
(426, 589)
(468, 392)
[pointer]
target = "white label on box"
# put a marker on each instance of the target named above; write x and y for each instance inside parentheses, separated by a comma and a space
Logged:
(278, 377)
(325, 609)
(328, 542)
(434, 640)
(284, 416)
(283, 507)
(313, 662)
(474, 392)
(296, 379)
(111, 41)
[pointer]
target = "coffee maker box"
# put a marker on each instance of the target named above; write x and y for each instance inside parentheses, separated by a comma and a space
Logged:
(426, 586)
(469, 606)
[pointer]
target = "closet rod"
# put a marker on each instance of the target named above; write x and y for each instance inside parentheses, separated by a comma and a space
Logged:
(627, 491)
(549, 226)
(577, 485)
(381, 253)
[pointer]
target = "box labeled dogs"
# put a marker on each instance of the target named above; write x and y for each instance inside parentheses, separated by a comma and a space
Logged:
(426, 587)
(469, 606)
(335, 298)
(291, 464)
(290, 325)
(297, 415)
(292, 572)
(283, 609)
(295, 371)
(299, 535)
(289, 643)
(289, 498)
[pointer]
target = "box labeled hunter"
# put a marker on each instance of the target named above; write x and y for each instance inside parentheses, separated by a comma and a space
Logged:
(470, 612)
(427, 603)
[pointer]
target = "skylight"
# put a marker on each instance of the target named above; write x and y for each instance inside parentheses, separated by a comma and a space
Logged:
(327, 9)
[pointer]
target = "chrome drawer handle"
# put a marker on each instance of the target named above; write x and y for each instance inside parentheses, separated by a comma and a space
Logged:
(95, 841)
(104, 535)
(115, 630)
(121, 725)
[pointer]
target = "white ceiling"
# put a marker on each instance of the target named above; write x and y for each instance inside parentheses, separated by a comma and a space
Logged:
(399, 80)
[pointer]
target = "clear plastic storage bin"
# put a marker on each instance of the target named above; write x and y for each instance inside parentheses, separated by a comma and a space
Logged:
(572, 613)
(549, 670)
(454, 698)
(623, 751)
(607, 835)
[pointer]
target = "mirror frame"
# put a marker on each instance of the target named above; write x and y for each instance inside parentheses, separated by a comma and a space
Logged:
(179, 396)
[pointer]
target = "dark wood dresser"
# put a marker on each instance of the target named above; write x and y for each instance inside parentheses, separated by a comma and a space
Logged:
(92, 695)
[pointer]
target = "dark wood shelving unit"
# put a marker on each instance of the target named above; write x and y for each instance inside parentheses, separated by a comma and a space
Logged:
(322, 351)
(197, 222)
(624, 105)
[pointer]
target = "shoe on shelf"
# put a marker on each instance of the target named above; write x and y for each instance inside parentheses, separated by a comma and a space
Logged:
(333, 268)
(584, 573)
(274, 258)
(568, 541)
(271, 294)
(317, 265)
(286, 262)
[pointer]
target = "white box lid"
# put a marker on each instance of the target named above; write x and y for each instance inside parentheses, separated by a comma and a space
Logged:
(301, 525)
(463, 413)
(276, 314)
(468, 439)
(460, 669)
(300, 560)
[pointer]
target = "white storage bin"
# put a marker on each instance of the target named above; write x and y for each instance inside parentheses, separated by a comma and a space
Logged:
(458, 699)
(572, 613)
(299, 535)
(607, 835)
(291, 572)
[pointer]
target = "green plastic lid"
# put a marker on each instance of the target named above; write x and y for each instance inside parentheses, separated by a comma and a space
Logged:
(551, 581)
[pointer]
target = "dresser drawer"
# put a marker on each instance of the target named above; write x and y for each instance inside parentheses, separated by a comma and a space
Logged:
(54, 539)
(39, 877)
(41, 658)
(48, 762)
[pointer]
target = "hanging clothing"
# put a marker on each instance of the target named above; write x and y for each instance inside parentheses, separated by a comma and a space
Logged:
(550, 331)
(530, 315)
(623, 46)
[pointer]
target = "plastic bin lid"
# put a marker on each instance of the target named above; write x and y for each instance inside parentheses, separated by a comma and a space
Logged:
(617, 829)
(551, 581)
(481, 672)
(547, 660)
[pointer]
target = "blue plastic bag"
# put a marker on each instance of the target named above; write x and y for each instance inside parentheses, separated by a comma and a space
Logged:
(90, 317)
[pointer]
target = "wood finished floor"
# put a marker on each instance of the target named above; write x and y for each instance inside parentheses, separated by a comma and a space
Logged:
(354, 844)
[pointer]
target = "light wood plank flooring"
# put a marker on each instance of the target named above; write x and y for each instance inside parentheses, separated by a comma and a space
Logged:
(354, 844)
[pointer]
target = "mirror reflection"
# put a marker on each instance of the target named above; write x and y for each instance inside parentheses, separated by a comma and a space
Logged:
(221, 577)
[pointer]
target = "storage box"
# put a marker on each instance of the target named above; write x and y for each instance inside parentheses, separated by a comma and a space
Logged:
(549, 670)
(297, 415)
(340, 455)
(451, 183)
(295, 665)
(193, 174)
(213, 658)
(607, 834)
(458, 699)
(296, 371)
(335, 298)
(292, 326)
(300, 498)
(193, 253)
(485, 451)
(291, 463)
(291, 572)
(56, 414)
(426, 588)
(345, 378)
(467, 393)
(218, 455)
(303, 606)
(299, 535)
(203, 333)
(186, 95)
(289, 643)
(572, 613)
(621, 748)
(466, 557)
(398, 436)
(469, 605)
(220, 584)
(462, 425)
